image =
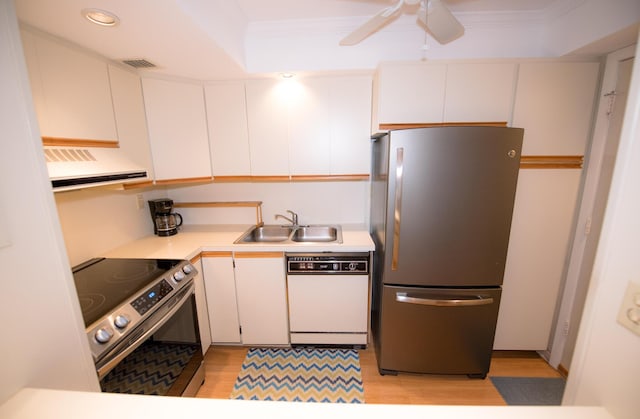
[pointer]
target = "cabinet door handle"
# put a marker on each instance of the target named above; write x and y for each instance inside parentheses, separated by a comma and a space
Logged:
(398, 208)
(475, 300)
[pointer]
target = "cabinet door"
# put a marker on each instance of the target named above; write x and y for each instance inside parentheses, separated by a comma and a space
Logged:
(220, 288)
(309, 127)
(177, 129)
(201, 307)
(479, 92)
(71, 89)
(554, 104)
(267, 109)
(228, 132)
(350, 121)
(262, 303)
(128, 106)
(411, 93)
(540, 233)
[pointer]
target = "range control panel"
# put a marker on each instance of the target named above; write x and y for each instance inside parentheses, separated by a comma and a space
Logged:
(328, 263)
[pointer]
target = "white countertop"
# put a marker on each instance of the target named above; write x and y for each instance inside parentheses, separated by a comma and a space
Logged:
(49, 404)
(192, 239)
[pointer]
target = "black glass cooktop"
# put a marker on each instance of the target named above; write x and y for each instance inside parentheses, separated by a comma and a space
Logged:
(103, 284)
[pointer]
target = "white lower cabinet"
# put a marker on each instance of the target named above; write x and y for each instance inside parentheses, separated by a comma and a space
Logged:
(201, 307)
(261, 293)
(220, 286)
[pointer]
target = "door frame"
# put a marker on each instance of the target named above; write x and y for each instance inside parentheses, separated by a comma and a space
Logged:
(570, 306)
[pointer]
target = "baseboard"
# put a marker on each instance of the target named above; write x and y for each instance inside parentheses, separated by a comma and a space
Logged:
(563, 371)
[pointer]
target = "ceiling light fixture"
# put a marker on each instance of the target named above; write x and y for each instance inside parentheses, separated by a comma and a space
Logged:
(287, 75)
(100, 17)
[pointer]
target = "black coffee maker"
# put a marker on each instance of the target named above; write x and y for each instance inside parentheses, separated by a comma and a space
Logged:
(165, 222)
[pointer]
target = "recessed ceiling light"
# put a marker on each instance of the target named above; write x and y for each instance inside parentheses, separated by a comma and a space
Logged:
(287, 75)
(100, 17)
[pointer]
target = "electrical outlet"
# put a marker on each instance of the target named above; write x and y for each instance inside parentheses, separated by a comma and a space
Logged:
(629, 314)
(140, 201)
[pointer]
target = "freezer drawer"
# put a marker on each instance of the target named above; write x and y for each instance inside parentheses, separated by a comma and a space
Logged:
(437, 331)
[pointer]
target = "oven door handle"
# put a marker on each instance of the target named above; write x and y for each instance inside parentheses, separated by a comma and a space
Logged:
(109, 365)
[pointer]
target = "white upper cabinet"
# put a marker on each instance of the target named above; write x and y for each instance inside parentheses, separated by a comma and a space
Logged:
(410, 93)
(554, 105)
(423, 93)
(268, 131)
(71, 90)
(479, 92)
(228, 131)
(177, 126)
(350, 116)
(309, 126)
(128, 106)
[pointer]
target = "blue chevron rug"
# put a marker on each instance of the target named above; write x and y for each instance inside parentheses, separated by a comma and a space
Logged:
(300, 375)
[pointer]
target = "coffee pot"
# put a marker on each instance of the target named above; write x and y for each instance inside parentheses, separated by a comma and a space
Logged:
(165, 222)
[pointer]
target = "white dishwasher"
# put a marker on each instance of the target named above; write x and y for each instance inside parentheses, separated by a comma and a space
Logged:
(328, 297)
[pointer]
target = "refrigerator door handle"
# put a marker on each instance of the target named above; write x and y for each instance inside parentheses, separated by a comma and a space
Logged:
(476, 300)
(398, 208)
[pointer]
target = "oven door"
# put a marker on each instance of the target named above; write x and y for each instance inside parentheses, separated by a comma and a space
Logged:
(162, 356)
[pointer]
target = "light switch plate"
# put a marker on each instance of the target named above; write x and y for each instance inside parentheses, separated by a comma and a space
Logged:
(629, 314)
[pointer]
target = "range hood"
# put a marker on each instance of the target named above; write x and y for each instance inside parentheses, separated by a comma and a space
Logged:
(76, 168)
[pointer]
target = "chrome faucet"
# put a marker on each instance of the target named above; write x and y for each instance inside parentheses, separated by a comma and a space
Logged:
(293, 220)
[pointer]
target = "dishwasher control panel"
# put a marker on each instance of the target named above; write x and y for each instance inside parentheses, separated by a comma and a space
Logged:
(327, 263)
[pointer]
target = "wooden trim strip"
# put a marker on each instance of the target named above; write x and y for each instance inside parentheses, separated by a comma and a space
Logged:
(551, 162)
(318, 178)
(291, 178)
(196, 258)
(387, 127)
(232, 179)
(138, 185)
(244, 204)
(78, 142)
(274, 178)
(207, 254)
(246, 255)
(183, 181)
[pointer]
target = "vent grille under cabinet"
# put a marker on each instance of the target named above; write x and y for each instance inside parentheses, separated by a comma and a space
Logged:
(68, 155)
(139, 63)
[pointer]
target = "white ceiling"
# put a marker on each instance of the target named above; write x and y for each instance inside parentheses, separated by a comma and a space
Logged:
(221, 39)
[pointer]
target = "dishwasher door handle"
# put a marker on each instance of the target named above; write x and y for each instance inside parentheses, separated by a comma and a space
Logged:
(475, 300)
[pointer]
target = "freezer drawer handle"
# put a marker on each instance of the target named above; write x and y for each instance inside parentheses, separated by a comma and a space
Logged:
(479, 300)
(398, 208)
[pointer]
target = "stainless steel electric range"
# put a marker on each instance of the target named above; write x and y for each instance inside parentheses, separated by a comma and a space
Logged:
(142, 325)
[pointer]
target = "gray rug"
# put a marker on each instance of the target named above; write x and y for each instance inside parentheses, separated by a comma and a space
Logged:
(530, 391)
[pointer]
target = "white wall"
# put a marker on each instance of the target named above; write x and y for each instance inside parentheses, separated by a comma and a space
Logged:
(314, 202)
(43, 341)
(99, 219)
(606, 362)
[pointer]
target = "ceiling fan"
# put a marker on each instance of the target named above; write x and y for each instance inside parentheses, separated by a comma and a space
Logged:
(432, 14)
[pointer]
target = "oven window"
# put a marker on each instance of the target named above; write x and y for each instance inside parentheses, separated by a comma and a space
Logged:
(165, 363)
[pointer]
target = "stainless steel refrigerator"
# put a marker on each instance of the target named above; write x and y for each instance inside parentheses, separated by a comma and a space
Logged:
(441, 208)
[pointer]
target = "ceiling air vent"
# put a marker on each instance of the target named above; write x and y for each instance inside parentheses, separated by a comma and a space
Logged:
(139, 63)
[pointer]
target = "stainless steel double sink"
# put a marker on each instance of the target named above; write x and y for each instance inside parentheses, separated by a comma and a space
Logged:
(292, 234)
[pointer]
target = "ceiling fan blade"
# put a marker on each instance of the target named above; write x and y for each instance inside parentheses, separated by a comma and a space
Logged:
(440, 22)
(371, 25)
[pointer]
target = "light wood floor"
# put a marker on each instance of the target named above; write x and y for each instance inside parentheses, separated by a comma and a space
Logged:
(223, 363)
